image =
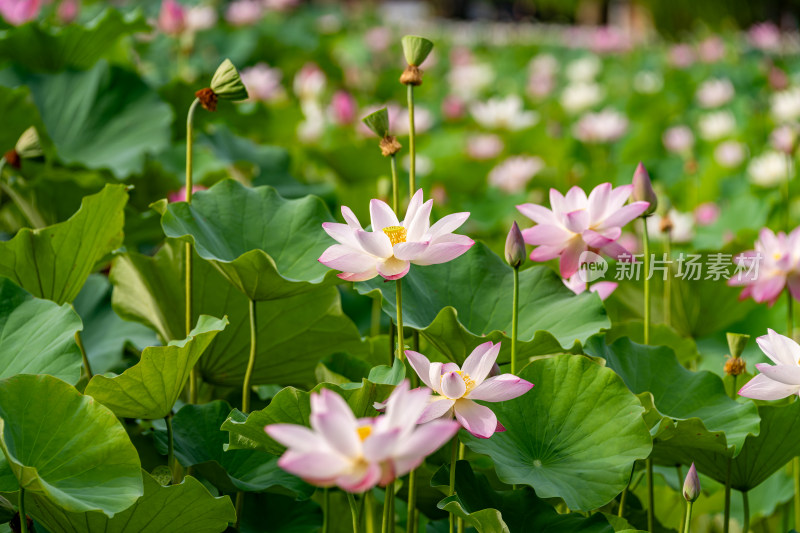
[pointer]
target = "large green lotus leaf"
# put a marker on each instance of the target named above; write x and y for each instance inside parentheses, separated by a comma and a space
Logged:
(465, 302)
(37, 336)
(150, 388)
(293, 406)
(45, 48)
(199, 442)
(54, 262)
(574, 435)
(518, 511)
(184, 508)
(760, 457)
(266, 245)
(103, 118)
(685, 348)
(66, 447)
(679, 395)
(294, 333)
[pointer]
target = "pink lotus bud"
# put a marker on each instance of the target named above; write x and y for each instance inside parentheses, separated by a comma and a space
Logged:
(243, 12)
(343, 107)
(643, 189)
(453, 107)
(17, 12)
(706, 214)
(778, 80)
(691, 487)
(68, 10)
(515, 247)
(171, 18)
(180, 196)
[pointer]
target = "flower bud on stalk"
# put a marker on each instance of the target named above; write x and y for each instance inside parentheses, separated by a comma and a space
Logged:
(27, 147)
(378, 123)
(416, 50)
(226, 84)
(735, 365)
(515, 247)
(691, 487)
(643, 190)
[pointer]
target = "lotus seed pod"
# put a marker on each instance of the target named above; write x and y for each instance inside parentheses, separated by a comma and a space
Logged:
(28, 145)
(416, 49)
(378, 122)
(227, 84)
(736, 343)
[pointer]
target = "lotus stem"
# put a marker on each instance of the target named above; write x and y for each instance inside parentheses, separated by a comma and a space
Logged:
(23, 518)
(351, 499)
(646, 250)
(746, 505)
(395, 186)
(193, 377)
(326, 505)
(651, 501)
(452, 491)
(170, 447)
(688, 520)
(787, 193)
(400, 344)
(82, 348)
(668, 281)
(387, 523)
(412, 500)
(796, 473)
(375, 318)
(251, 362)
(368, 518)
(515, 322)
(412, 185)
(621, 511)
(727, 518)
(239, 506)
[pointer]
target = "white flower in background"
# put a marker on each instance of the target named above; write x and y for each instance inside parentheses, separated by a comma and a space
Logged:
(678, 139)
(648, 82)
(729, 154)
(715, 92)
(578, 97)
(768, 169)
(540, 85)
(544, 64)
(484, 146)
(279, 5)
(785, 105)
(312, 127)
(243, 12)
(584, 69)
(199, 18)
(513, 174)
(309, 82)
(398, 119)
(263, 83)
(423, 165)
(784, 138)
(503, 113)
(378, 39)
(604, 126)
(328, 23)
(716, 125)
(468, 80)
(682, 226)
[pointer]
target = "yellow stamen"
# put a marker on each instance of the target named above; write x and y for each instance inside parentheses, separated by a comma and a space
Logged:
(364, 432)
(468, 381)
(396, 234)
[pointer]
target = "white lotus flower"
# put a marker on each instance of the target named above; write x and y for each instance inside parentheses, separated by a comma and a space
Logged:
(503, 113)
(714, 93)
(785, 105)
(768, 169)
(513, 174)
(716, 125)
(578, 97)
(584, 69)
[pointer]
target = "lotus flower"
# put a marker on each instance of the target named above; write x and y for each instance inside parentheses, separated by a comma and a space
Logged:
(768, 169)
(771, 267)
(457, 388)
(782, 379)
(576, 224)
(391, 246)
(357, 454)
(602, 288)
(172, 17)
(18, 12)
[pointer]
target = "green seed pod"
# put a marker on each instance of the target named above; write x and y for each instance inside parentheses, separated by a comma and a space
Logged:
(416, 49)
(736, 343)
(28, 145)
(227, 84)
(378, 122)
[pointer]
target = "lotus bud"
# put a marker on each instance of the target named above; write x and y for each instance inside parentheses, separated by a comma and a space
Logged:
(735, 365)
(515, 247)
(28, 145)
(227, 84)
(643, 189)
(691, 487)
(416, 49)
(378, 122)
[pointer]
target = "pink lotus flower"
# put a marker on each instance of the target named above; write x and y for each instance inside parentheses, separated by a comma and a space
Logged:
(243, 12)
(782, 379)
(172, 17)
(17, 12)
(343, 108)
(180, 195)
(706, 213)
(771, 267)
(357, 454)
(263, 82)
(457, 388)
(391, 246)
(68, 11)
(576, 224)
(602, 288)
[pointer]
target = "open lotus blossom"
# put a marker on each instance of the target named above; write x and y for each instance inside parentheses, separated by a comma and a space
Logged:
(457, 388)
(577, 223)
(391, 246)
(578, 285)
(775, 381)
(771, 267)
(171, 17)
(356, 454)
(504, 113)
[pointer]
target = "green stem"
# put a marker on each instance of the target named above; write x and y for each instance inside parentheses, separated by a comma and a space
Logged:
(239, 506)
(646, 250)
(351, 499)
(789, 314)
(400, 345)
(746, 505)
(395, 186)
(23, 518)
(514, 322)
(22, 204)
(368, 512)
(392, 503)
(388, 511)
(688, 521)
(412, 186)
(680, 490)
(193, 376)
(668, 281)
(412, 500)
(796, 472)
(326, 515)
(251, 362)
(375, 318)
(452, 491)
(170, 446)
(621, 511)
(787, 194)
(727, 517)
(82, 348)
(651, 501)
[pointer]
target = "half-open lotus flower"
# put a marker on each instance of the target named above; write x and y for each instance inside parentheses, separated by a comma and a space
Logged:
(779, 380)
(577, 223)
(358, 454)
(391, 246)
(457, 388)
(771, 267)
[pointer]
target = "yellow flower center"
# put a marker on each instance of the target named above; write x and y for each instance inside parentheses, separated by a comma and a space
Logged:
(396, 234)
(468, 381)
(777, 255)
(364, 432)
